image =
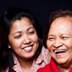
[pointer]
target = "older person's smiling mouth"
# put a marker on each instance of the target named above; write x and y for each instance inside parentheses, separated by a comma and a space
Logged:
(60, 52)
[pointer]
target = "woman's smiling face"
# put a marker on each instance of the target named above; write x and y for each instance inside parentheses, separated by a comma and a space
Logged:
(59, 40)
(23, 38)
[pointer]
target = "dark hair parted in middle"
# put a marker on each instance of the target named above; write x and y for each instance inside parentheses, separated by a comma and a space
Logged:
(13, 14)
(53, 16)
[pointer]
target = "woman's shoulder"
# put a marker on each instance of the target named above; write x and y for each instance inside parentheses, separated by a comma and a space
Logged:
(44, 50)
(46, 54)
(41, 61)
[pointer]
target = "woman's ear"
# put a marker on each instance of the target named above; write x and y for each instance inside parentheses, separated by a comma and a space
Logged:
(9, 46)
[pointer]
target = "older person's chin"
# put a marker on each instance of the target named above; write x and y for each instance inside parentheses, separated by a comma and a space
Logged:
(61, 61)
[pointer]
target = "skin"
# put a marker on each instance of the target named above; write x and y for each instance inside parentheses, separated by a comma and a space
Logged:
(23, 34)
(60, 38)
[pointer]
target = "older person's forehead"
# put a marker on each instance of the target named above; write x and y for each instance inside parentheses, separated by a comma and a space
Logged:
(66, 18)
(61, 24)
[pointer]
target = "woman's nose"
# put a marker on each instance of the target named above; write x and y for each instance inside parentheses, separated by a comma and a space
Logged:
(26, 39)
(57, 43)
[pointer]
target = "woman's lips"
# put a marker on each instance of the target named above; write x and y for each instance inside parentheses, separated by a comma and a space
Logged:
(28, 49)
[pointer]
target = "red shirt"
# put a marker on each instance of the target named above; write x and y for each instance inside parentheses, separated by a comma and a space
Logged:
(51, 67)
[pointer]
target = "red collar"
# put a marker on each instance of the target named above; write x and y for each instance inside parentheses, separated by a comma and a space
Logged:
(53, 66)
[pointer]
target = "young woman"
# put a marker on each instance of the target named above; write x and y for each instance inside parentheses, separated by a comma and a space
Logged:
(58, 39)
(24, 40)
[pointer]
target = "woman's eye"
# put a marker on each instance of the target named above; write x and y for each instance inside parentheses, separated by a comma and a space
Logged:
(31, 32)
(18, 36)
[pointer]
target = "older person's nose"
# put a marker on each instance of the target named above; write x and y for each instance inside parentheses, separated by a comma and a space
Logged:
(57, 43)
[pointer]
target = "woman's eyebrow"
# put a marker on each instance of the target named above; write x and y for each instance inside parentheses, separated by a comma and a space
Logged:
(16, 32)
(30, 28)
(20, 31)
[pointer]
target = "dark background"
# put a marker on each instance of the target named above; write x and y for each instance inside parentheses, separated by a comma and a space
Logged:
(40, 8)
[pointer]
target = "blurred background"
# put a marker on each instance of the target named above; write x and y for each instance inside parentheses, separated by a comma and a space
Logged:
(40, 8)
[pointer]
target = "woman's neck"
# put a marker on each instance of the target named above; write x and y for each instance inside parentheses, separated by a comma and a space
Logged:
(25, 64)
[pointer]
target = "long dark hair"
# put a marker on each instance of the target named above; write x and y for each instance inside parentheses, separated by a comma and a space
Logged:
(3, 50)
(11, 15)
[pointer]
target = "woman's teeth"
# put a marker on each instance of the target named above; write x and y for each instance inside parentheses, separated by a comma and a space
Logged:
(27, 48)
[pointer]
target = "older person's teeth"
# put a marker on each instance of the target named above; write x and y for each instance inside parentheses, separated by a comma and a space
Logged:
(60, 51)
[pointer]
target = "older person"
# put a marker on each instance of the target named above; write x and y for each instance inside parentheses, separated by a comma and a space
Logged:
(58, 39)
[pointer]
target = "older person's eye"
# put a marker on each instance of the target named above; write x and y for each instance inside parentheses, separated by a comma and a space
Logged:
(64, 37)
(51, 38)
